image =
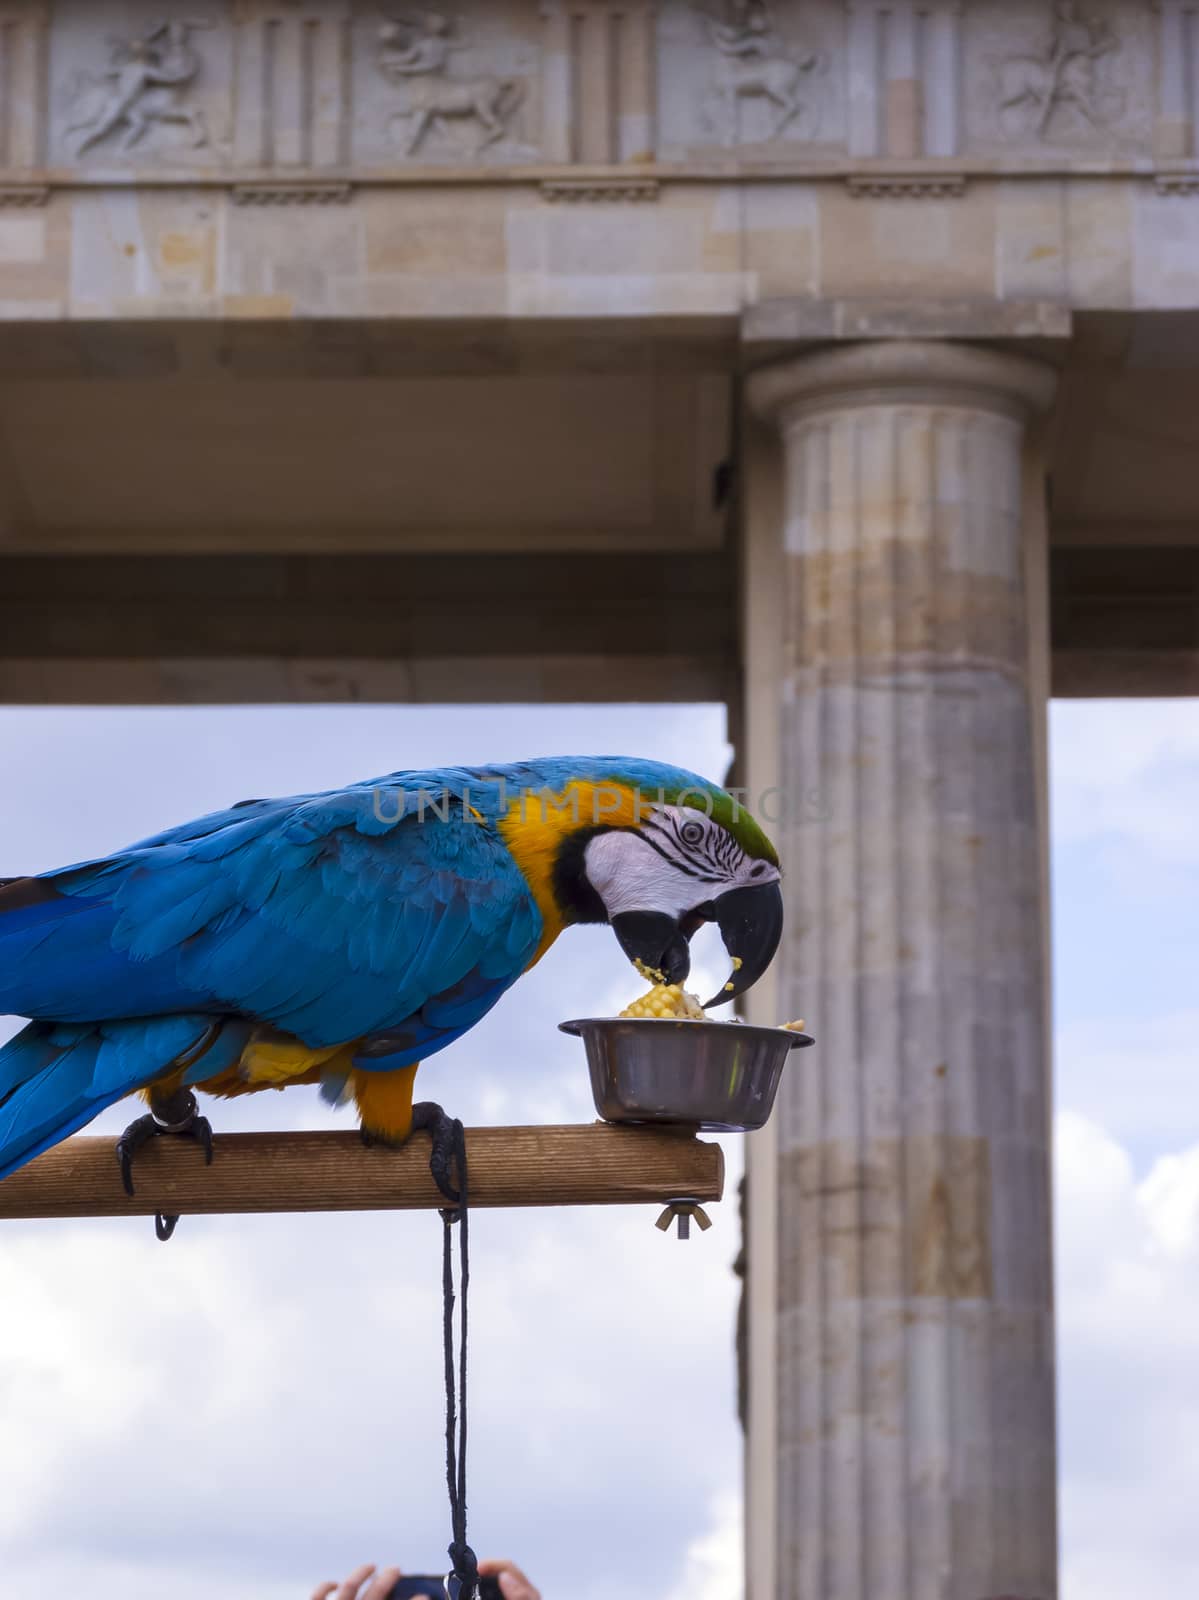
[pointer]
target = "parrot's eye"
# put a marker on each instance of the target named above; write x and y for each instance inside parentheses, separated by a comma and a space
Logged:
(691, 832)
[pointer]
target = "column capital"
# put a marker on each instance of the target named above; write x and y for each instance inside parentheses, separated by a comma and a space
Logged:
(892, 371)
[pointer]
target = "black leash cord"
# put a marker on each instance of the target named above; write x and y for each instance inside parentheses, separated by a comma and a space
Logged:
(464, 1562)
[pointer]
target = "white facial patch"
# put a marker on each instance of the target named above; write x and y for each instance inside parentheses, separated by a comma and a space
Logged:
(676, 860)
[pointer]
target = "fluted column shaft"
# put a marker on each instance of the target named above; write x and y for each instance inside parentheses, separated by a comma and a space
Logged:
(912, 1279)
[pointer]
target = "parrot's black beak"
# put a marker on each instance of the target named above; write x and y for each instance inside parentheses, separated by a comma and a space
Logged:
(654, 940)
(751, 924)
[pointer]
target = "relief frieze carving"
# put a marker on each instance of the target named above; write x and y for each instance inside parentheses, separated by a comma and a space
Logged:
(312, 88)
(416, 57)
(1064, 81)
(752, 64)
(146, 85)
(766, 78)
(1060, 75)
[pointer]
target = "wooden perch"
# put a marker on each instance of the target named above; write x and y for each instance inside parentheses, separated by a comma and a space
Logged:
(588, 1165)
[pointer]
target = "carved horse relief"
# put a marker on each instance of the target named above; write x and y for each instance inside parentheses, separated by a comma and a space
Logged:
(1065, 79)
(414, 56)
(753, 66)
(146, 84)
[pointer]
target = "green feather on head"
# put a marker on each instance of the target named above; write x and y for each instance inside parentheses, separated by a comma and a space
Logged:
(722, 807)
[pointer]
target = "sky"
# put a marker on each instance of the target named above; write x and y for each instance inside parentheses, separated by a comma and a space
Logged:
(258, 1405)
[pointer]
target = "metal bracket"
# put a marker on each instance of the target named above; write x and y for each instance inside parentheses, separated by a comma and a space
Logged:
(682, 1211)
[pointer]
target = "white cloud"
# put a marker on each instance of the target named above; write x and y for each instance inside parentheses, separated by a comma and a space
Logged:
(1128, 770)
(1128, 1274)
(1169, 1202)
(1138, 1078)
(263, 1397)
(713, 1567)
(1098, 743)
(178, 1576)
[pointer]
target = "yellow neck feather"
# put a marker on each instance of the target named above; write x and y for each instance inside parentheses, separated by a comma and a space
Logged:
(536, 825)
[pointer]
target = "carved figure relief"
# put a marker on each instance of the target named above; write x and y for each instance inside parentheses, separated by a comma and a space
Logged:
(1064, 84)
(415, 56)
(754, 65)
(147, 83)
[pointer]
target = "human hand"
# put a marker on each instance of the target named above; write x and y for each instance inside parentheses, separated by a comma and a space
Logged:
(378, 1585)
(513, 1583)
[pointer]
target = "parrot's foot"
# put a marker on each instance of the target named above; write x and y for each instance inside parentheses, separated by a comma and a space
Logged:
(181, 1116)
(428, 1117)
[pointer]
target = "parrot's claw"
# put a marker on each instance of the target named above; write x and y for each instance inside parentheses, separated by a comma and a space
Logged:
(181, 1116)
(428, 1117)
(137, 1134)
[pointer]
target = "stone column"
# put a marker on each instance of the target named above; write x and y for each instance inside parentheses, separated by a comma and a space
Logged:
(909, 1253)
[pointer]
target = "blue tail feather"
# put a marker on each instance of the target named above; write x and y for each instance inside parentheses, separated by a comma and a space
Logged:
(55, 1077)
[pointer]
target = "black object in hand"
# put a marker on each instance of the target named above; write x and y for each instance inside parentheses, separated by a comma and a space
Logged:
(411, 1588)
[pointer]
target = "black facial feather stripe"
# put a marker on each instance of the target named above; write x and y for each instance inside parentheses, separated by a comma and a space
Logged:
(716, 846)
(672, 851)
(680, 863)
(716, 851)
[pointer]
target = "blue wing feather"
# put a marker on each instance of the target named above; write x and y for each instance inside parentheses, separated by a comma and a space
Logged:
(330, 917)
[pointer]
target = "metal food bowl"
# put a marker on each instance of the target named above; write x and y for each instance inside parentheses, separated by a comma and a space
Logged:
(718, 1076)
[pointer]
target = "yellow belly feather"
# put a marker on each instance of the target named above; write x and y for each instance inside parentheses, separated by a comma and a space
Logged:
(383, 1099)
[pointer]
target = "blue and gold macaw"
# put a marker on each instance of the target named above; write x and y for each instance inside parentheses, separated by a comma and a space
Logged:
(339, 938)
